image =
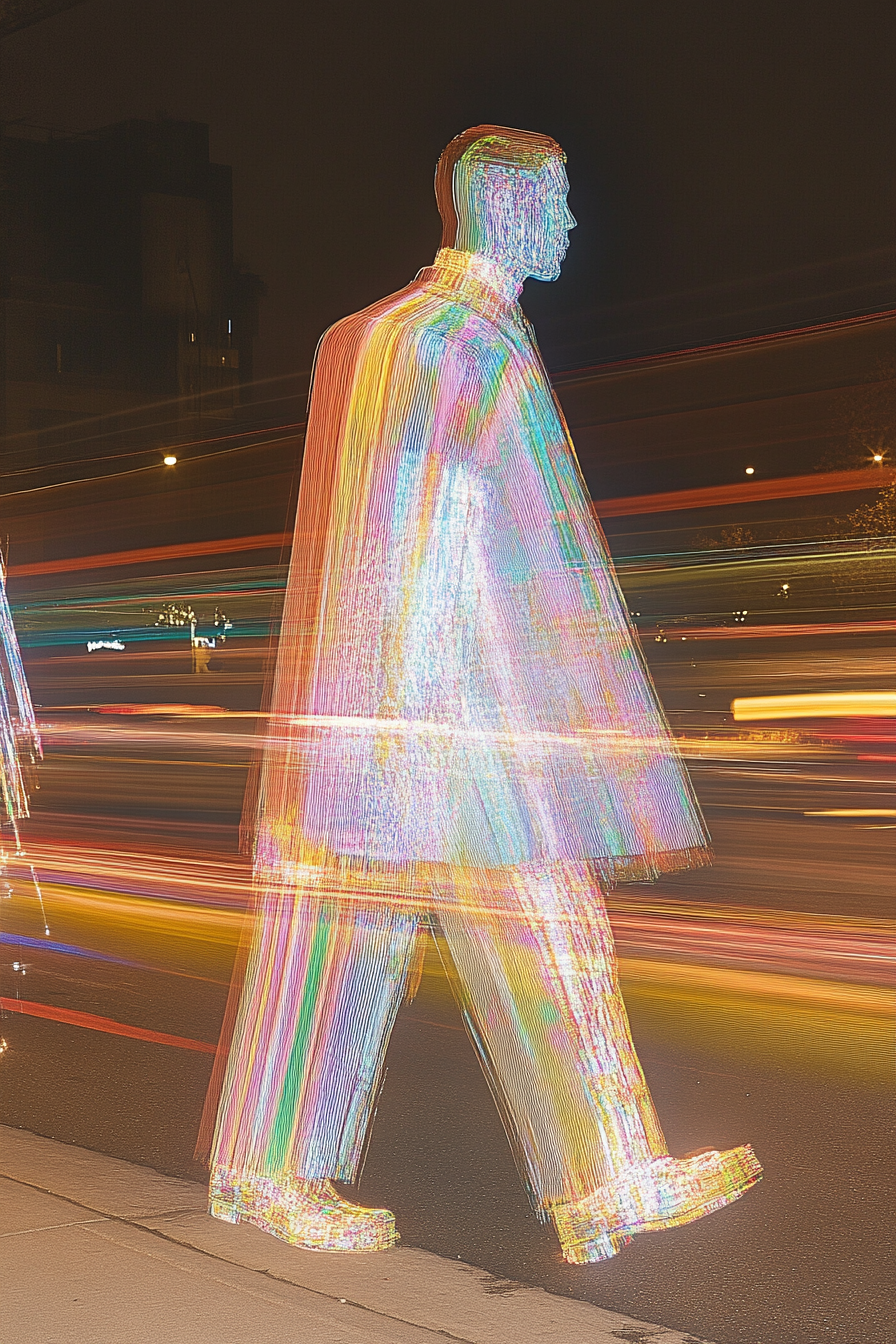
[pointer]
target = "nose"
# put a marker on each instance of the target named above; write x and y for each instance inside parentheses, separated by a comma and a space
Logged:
(570, 221)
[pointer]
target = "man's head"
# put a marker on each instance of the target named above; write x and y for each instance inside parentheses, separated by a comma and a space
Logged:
(502, 193)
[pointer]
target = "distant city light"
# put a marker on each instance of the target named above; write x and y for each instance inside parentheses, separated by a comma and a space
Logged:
(94, 644)
(750, 470)
(170, 460)
(878, 457)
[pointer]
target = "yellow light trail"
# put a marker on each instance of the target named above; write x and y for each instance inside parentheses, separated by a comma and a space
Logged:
(823, 1005)
(853, 812)
(824, 705)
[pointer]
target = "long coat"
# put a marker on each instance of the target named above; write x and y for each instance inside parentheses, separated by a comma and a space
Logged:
(458, 681)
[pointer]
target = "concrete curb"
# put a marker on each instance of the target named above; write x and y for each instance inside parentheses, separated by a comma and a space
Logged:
(414, 1289)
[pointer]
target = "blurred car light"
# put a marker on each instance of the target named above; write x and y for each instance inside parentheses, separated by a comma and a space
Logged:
(826, 705)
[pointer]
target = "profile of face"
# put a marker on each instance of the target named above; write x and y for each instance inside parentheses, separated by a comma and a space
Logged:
(515, 215)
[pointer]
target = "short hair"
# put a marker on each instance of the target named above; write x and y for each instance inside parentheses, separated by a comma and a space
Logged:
(499, 145)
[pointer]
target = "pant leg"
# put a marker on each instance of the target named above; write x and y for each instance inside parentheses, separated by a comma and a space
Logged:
(324, 982)
(536, 969)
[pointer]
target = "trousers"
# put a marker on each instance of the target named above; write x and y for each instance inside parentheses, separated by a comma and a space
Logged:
(533, 966)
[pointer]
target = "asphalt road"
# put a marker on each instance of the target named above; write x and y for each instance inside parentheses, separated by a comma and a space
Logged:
(742, 1034)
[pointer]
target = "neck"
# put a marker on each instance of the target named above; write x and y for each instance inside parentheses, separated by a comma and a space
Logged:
(497, 275)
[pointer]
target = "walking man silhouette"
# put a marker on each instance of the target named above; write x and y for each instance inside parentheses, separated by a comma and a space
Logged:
(463, 735)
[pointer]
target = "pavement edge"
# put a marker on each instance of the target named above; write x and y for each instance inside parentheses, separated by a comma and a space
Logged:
(411, 1286)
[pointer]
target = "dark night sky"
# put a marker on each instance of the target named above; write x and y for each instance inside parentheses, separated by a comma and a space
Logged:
(731, 162)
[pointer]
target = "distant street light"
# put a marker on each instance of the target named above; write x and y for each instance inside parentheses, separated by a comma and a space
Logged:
(750, 470)
(170, 460)
(878, 457)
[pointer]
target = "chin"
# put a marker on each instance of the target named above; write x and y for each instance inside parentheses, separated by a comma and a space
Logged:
(551, 272)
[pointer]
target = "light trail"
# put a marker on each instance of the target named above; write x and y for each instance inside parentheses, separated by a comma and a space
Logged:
(661, 591)
(750, 492)
(758, 1021)
(46, 944)
(159, 876)
(779, 631)
(92, 1022)
(809, 989)
(868, 1000)
(823, 705)
(787, 487)
(853, 812)
(150, 554)
(789, 943)
(202, 902)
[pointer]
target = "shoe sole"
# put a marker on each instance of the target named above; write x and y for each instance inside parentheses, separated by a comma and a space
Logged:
(375, 1239)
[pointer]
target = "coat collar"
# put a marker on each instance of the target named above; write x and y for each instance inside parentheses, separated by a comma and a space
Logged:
(470, 279)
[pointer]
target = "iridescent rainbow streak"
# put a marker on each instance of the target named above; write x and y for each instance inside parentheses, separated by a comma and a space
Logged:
(20, 747)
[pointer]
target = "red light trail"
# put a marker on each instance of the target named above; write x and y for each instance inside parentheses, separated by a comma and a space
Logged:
(92, 1022)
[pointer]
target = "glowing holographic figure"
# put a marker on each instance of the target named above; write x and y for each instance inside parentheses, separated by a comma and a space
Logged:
(463, 732)
(19, 739)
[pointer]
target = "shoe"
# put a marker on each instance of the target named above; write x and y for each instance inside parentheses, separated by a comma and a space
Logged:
(665, 1192)
(309, 1214)
(599, 1246)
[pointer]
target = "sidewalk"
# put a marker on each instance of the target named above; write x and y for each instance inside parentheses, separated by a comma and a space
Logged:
(98, 1251)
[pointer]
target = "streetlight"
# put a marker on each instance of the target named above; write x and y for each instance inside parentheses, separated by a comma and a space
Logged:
(170, 460)
(750, 470)
(878, 457)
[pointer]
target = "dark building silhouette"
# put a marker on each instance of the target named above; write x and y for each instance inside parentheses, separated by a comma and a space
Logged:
(119, 290)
